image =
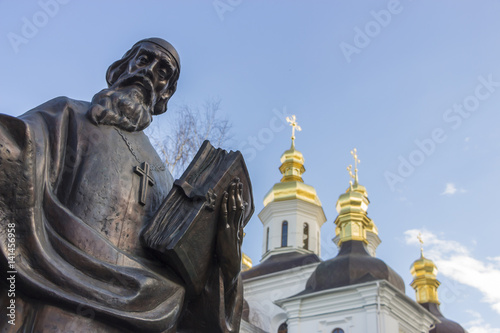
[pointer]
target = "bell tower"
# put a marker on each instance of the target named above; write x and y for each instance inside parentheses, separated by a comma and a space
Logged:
(292, 214)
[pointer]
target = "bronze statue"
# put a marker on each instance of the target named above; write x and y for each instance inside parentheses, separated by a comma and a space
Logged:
(79, 185)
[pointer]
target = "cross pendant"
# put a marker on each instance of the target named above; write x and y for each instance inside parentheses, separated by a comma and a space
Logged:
(146, 179)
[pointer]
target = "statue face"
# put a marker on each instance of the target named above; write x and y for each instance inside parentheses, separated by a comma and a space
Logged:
(140, 85)
(152, 68)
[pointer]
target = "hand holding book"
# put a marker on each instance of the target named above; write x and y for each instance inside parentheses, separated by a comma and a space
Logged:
(230, 231)
(204, 214)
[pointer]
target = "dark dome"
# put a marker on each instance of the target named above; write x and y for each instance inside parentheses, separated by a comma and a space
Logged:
(281, 262)
(446, 325)
(352, 265)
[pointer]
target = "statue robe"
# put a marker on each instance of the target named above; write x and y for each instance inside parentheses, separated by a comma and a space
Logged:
(70, 188)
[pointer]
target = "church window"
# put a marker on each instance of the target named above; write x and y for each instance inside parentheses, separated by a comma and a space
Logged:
(267, 239)
(284, 234)
(306, 236)
(283, 328)
(338, 330)
(317, 242)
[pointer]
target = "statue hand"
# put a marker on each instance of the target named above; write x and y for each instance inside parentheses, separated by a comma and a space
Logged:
(230, 231)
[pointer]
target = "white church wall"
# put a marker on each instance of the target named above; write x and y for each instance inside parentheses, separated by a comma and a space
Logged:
(261, 292)
(373, 307)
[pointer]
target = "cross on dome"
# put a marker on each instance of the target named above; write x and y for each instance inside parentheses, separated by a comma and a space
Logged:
(419, 236)
(293, 122)
(354, 176)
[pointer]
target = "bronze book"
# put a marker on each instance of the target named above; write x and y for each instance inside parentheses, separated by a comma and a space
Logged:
(183, 231)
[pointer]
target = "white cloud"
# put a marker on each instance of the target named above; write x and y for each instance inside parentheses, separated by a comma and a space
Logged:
(477, 325)
(451, 189)
(495, 259)
(456, 262)
(483, 328)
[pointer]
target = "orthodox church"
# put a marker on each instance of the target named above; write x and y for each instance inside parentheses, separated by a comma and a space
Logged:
(292, 290)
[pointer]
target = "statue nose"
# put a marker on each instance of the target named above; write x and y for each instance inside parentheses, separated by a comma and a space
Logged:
(148, 72)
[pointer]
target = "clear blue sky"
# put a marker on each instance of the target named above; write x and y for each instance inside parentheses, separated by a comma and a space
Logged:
(413, 85)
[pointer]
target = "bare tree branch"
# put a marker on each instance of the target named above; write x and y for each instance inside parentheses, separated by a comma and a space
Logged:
(190, 127)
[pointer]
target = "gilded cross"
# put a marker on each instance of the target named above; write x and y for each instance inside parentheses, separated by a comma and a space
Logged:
(354, 176)
(146, 179)
(419, 236)
(293, 122)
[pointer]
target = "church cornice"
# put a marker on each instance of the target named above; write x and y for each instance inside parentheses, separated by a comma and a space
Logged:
(296, 206)
(362, 296)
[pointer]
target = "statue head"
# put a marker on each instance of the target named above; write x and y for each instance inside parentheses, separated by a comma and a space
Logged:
(154, 60)
(140, 85)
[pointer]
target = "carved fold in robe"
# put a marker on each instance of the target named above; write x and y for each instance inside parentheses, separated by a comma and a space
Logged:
(70, 189)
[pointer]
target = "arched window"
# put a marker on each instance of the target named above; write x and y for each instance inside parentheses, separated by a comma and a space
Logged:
(267, 239)
(283, 328)
(305, 236)
(338, 330)
(317, 242)
(284, 234)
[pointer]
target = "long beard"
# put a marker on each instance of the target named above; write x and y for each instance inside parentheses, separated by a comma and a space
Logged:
(123, 107)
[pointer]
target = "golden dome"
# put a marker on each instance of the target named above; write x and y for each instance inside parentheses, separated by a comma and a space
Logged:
(353, 221)
(424, 282)
(246, 263)
(352, 206)
(292, 165)
(291, 185)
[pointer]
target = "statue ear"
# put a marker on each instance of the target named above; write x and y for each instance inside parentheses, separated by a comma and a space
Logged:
(115, 70)
(161, 105)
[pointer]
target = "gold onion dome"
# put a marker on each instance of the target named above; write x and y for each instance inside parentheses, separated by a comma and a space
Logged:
(352, 206)
(246, 262)
(353, 264)
(425, 283)
(291, 185)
